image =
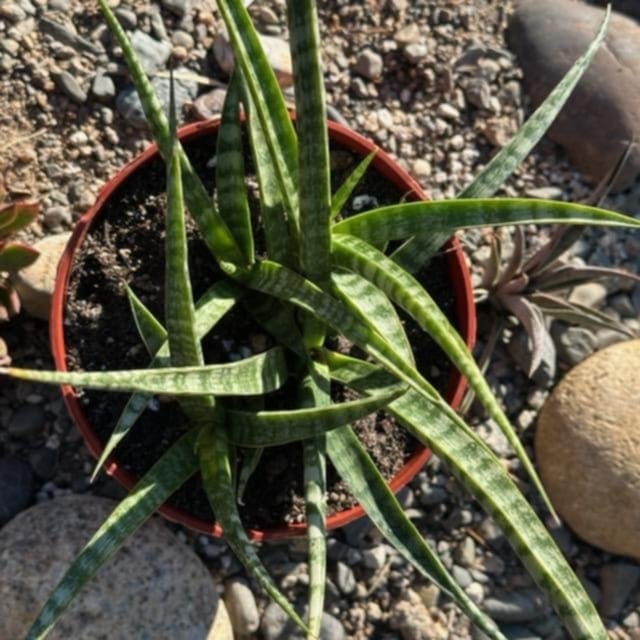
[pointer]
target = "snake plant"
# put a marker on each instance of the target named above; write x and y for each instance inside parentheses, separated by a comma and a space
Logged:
(322, 275)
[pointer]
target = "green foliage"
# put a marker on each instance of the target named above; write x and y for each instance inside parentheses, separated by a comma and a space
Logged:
(14, 255)
(322, 277)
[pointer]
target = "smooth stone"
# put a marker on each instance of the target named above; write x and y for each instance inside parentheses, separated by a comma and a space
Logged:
(602, 114)
(345, 579)
(275, 625)
(153, 54)
(209, 104)
(35, 283)
(241, 606)
(103, 88)
(590, 294)
(67, 83)
(276, 49)
(369, 64)
(520, 605)
(412, 620)
(26, 421)
(590, 422)
(154, 587)
(573, 344)
(66, 36)
(56, 216)
(127, 18)
(375, 557)
(129, 106)
(16, 483)
(179, 7)
(617, 580)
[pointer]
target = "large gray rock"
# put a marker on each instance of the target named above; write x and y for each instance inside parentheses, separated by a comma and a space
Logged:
(602, 115)
(154, 587)
(587, 447)
(35, 283)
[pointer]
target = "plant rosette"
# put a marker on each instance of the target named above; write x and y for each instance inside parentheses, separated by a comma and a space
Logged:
(457, 275)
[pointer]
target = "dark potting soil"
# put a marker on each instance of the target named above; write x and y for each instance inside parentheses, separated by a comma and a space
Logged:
(126, 246)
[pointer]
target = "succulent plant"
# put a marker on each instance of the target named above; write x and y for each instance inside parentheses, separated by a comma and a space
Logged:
(321, 276)
(13, 255)
(534, 289)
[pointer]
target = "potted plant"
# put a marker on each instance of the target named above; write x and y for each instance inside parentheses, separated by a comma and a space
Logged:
(115, 196)
(312, 278)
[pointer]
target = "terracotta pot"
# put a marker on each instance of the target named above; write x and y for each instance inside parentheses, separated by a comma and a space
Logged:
(458, 274)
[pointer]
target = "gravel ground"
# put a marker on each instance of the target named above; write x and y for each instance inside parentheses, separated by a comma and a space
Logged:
(442, 105)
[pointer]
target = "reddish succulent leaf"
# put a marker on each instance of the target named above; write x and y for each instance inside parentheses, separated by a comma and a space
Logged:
(16, 216)
(568, 275)
(532, 319)
(562, 309)
(16, 256)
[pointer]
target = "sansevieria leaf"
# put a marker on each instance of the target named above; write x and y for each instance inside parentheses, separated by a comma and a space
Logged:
(400, 221)
(504, 163)
(214, 231)
(484, 476)
(267, 98)
(252, 376)
(403, 289)
(173, 469)
(214, 453)
(366, 483)
(213, 304)
(270, 428)
(315, 391)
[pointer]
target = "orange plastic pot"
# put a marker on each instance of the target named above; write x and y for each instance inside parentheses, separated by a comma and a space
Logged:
(458, 276)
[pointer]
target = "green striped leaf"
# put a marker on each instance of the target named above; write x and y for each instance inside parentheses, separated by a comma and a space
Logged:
(252, 376)
(413, 254)
(285, 284)
(368, 486)
(400, 221)
(212, 306)
(345, 190)
(268, 100)
(402, 288)
(214, 453)
(371, 304)
(150, 330)
(173, 469)
(482, 474)
(180, 313)
(250, 460)
(504, 163)
(272, 210)
(273, 428)
(315, 391)
(314, 181)
(214, 231)
(231, 189)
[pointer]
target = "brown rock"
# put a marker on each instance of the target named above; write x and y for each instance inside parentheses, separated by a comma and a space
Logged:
(602, 115)
(154, 587)
(35, 283)
(587, 447)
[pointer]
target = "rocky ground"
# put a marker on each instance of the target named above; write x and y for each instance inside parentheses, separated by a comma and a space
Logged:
(433, 83)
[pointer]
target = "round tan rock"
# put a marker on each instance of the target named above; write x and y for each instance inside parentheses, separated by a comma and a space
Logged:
(35, 283)
(588, 448)
(154, 587)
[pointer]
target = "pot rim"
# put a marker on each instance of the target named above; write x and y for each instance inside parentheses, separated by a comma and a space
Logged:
(456, 384)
